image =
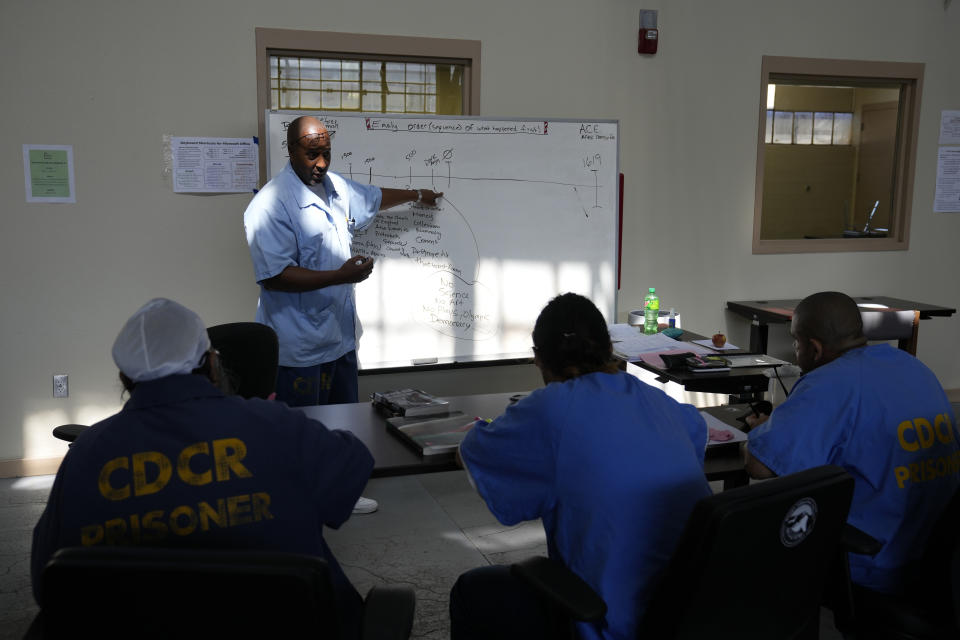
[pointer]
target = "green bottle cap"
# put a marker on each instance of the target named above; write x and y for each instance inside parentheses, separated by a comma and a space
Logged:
(652, 289)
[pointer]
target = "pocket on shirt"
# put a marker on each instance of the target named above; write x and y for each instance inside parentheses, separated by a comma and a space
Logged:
(315, 252)
(317, 241)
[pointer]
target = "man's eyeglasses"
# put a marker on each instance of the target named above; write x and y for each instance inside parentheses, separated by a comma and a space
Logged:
(206, 356)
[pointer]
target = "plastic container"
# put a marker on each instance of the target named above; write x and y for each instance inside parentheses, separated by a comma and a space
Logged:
(651, 311)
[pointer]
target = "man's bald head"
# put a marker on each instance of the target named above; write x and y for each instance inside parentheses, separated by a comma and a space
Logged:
(308, 144)
(302, 127)
(831, 319)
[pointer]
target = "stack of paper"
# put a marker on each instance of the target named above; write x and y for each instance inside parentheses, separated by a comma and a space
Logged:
(630, 342)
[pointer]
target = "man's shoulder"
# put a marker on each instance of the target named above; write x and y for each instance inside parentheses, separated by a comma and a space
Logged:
(278, 188)
(881, 360)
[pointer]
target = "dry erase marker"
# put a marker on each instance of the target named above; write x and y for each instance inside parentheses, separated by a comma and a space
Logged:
(424, 361)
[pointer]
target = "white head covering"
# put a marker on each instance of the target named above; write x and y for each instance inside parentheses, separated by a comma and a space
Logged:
(161, 339)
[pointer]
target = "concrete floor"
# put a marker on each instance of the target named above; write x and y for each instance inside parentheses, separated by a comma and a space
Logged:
(429, 529)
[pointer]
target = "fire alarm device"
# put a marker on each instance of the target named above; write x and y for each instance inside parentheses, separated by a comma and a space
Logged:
(649, 34)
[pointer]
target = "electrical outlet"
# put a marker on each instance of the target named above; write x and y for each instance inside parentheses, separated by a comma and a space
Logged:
(61, 386)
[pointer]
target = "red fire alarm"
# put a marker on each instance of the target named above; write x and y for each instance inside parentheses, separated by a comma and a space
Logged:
(649, 34)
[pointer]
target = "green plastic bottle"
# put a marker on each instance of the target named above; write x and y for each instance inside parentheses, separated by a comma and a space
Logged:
(651, 311)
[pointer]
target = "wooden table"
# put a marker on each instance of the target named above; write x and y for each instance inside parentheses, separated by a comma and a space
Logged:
(763, 313)
(393, 458)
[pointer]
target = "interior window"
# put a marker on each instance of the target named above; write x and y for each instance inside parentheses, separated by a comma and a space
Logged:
(835, 155)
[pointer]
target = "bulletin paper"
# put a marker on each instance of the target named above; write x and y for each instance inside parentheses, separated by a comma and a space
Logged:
(214, 165)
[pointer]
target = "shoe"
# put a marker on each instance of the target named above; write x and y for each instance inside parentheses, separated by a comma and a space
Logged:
(365, 505)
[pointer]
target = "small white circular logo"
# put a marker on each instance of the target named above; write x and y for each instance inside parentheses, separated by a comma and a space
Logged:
(798, 523)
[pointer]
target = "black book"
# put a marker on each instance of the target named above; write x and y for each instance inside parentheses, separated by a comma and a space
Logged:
(410, 402)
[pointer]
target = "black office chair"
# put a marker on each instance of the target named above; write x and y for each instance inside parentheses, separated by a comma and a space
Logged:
(248, 353)
(750, 564)
(137, 592)
(929, 608)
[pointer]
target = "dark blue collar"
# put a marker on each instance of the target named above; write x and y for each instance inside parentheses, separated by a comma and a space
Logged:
(170, 390)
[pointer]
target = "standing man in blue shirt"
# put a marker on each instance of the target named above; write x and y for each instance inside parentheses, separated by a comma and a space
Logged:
(300, 227)
(880, 414)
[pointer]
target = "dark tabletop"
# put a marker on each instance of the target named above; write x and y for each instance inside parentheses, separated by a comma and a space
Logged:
(774, 311)
(393, 458)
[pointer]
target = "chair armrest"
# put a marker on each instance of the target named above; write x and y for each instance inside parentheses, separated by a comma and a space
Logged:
(563, 587)
(856, 541)
(69, 432)
(388, 613)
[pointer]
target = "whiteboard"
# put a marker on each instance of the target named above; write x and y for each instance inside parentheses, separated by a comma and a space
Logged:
(530, 210)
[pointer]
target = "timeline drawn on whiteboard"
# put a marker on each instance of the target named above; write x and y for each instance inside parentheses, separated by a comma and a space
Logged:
(529, 211)
(414, 233)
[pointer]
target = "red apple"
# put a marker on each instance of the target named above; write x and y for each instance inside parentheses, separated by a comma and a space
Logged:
(719, 339)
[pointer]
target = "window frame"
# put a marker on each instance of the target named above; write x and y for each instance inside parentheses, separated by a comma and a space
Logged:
(361, 46)
(817, 70)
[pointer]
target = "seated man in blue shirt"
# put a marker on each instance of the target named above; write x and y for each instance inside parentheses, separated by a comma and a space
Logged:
(182, 464)
(879, 413)
(611, 465)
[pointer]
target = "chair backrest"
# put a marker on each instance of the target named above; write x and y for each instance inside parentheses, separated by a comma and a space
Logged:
(752, 562)
(134, 592)
(933, 580)
(249, 352)
(902, 326)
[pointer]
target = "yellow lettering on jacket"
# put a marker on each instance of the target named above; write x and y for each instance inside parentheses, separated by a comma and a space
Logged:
(183, 520)
(227, 454)
(902, 428)
(261, 501)
(207, 514)
(183, 465)
(91, 534)
(154, 524)
(107, 490)
(143, 487)
(239, 509)
(924, 432)
(944, 436)
(151, 471)
(177, 524)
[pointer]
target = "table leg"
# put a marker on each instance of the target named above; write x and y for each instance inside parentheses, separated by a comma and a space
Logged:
(758, 336)
(739, 479)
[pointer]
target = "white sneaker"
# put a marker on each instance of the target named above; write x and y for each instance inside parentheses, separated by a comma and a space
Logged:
(365, 505)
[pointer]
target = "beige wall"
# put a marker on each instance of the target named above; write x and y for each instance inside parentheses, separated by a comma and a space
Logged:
(809, 187)
(112, 78)
(812, 98)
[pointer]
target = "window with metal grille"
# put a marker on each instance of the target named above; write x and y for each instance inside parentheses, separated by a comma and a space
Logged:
(301, 71)
(302, 83)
